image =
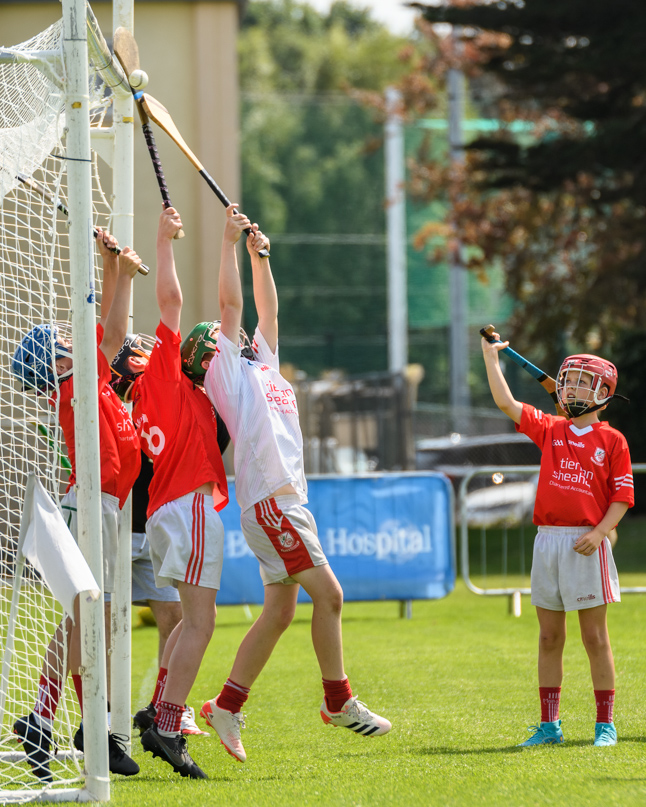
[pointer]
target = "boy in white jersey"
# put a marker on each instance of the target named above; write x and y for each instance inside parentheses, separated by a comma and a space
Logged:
(259, 409)
(585, 487)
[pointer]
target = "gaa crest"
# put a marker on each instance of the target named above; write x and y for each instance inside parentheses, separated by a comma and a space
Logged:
(287, 541)
(599, 456)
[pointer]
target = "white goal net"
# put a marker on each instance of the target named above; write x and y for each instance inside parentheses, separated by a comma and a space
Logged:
(34, 289)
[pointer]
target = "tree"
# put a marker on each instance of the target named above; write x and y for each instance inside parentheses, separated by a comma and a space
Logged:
(563, 209)
(312, 170)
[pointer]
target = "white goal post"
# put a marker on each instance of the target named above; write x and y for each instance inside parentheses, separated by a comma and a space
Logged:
(62, 103)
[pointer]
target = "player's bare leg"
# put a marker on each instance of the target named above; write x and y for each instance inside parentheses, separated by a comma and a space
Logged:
(193, 634)
(198, 623)
(594, 634)
(224, 713)
(167, 616)
(551, 641)
(261, 639)
(327, 598)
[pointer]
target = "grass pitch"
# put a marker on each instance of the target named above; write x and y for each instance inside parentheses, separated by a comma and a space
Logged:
(458, 682)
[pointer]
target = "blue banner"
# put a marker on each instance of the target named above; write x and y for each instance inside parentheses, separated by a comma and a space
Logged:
(386, 536)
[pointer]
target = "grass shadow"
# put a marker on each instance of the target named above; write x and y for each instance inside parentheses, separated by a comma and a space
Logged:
(443, 751)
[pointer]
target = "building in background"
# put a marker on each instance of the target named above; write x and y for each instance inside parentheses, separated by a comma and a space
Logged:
(188, 50)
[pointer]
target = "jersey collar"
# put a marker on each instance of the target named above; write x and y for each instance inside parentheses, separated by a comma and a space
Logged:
(580, 432)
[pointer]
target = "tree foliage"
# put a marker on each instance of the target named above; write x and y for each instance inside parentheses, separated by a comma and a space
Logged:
(563, 207)
(312, 170)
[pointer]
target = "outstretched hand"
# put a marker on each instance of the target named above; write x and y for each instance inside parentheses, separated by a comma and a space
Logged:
(256, 241)
(490, 349)
(170, 223)
(106, 243)
(129, 262)
(236, 224)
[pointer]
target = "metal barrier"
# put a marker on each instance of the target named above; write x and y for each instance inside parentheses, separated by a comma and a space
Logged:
(504, 512)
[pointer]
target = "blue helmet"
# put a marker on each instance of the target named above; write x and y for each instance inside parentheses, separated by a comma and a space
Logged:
(34, 359)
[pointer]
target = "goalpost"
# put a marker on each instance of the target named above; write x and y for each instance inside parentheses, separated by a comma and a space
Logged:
(62, 102)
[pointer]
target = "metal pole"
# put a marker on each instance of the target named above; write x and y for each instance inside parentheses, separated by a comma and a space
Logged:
(123, 226)
(396, 234)
(458, 287)
(86, 401)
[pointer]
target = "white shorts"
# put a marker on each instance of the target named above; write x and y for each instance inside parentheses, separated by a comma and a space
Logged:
(564, 580)
(187, 542)
(109, 530)
(282, 534)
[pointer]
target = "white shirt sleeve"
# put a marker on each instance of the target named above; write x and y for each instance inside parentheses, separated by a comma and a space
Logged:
(222, 381)
(263, 351)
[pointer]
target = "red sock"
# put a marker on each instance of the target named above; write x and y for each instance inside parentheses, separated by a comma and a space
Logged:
(169, 717)
(233, 697)
(337, 693)
(550, 701)
(49, 694)
(159, 686)
(605, 699)
(78, 686)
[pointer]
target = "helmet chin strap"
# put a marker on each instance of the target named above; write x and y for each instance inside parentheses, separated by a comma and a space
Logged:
(569, 407)
(247, 353)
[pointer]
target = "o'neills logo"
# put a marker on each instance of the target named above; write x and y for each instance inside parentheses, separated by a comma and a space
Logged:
(585, 599)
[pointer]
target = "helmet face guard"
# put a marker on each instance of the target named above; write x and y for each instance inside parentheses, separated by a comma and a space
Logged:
(34, 360)
(137, 345)
(585, 383)
(203, 340)
(124, 373)
(200, 341)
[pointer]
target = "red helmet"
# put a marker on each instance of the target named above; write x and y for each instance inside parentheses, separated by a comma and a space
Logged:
(577, 398)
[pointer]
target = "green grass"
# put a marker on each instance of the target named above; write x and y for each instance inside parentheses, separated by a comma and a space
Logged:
(458, 682)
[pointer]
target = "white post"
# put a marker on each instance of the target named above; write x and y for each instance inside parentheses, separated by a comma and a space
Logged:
(123, 226)
(458, 285)
(86, 405)
(396, 234)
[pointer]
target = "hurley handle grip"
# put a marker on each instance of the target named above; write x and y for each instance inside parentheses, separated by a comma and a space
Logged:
(159, 171)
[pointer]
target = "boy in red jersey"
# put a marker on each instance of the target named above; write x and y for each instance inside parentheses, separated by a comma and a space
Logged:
(177, 427)
(585, 487)
(36, 363)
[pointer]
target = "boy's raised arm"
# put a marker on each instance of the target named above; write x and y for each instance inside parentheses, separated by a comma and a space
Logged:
(264, 288)
(502, 396)
(229, 286)
(167, 286)
(110, 263)
(116, 321)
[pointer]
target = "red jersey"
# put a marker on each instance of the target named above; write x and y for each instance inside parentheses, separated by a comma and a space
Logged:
(118, 441)
(177, 427)
(582, 470)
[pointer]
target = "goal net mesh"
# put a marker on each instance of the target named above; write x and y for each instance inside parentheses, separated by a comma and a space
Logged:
(34, 289)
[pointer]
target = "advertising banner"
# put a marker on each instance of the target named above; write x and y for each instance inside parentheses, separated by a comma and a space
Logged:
(386, 536)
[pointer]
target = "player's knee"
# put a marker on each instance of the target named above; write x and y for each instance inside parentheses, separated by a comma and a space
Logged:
(551, 640)
(595, 640)
(334, 598)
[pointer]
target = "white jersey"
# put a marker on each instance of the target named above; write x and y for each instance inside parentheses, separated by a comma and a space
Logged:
(259, 409)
